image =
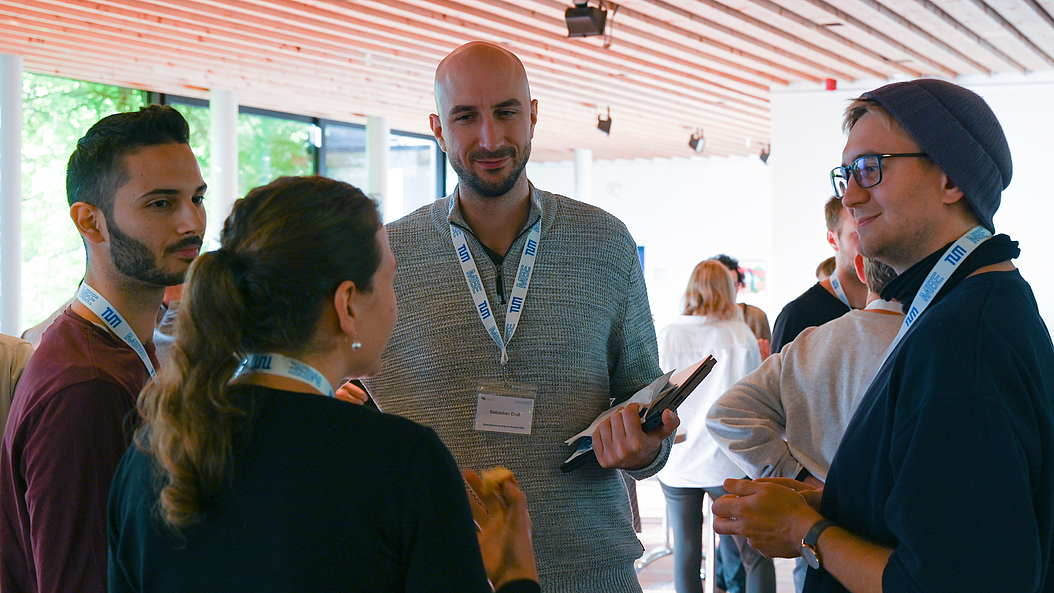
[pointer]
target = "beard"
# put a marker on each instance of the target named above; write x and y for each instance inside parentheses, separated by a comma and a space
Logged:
(496, 188)
(134, 259)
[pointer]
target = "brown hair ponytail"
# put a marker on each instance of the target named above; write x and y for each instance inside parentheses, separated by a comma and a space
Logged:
(286, 248)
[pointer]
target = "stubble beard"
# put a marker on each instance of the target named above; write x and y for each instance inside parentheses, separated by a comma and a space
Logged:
(134, 259)
(491, 189)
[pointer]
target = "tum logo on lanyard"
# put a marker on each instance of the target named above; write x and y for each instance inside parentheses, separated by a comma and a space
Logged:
(111, 317)
(259, 362)
(956, 254)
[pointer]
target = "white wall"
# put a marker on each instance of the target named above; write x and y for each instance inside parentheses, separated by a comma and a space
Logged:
(682, 211)
(807, 139)
(686, 210)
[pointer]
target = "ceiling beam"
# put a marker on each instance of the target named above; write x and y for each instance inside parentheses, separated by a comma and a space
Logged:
(1013, 31)
(922, 33)
(955, 24)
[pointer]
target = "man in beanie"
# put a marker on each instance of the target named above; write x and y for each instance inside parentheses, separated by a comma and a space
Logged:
(944, 480)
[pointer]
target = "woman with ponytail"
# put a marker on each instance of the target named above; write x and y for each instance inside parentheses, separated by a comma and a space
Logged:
(245, 476)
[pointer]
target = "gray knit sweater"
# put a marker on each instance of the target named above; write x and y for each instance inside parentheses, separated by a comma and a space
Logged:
(585, 336)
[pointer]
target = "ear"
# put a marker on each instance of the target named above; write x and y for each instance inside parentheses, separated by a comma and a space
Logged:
(534, 115)
(437, 129)
(90, 222)
(858, 263)
(832, 240)
(345, 303)
(951, 192)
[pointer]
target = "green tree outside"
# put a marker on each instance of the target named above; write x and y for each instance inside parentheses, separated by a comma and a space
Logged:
(56, 113)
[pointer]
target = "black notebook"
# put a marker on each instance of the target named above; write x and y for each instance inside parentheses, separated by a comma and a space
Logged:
(666, 394)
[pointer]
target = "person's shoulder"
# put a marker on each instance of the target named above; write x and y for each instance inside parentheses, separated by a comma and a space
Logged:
(793, 309)
(339, 416)
(136, 469)
(565, 210)
(990, 311)
(752, 311)
(14, 352)
(78, 363)
(855, 325)
(990, 299)
(409, 227)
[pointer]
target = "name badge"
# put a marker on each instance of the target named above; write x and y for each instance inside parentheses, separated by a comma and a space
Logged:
(505, 408)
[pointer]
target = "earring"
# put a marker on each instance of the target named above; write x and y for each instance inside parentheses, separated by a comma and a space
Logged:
(356, 345)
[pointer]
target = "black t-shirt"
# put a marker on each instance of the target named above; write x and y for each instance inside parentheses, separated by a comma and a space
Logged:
(814, 307)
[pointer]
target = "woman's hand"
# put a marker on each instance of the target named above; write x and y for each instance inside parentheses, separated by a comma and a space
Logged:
(504, 530)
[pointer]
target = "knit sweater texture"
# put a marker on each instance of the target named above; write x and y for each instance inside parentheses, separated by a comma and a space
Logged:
(792, 411)
(585, 339)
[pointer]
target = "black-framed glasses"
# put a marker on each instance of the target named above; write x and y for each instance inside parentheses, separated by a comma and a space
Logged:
(866, 170)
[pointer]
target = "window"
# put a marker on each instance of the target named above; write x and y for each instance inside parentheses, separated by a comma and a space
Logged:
(56, 112)
(270, 144)
(415, 166)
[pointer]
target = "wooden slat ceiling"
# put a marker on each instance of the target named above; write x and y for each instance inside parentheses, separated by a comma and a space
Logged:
(669, 67)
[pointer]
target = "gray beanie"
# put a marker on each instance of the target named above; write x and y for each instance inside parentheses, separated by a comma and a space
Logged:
(958, 130)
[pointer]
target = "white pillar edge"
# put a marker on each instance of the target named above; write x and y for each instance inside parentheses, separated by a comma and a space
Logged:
(378, 133)
(11, 67)
(223, 161)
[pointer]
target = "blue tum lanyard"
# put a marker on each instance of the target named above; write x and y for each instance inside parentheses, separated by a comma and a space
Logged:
(839, 291)
(479, 295)
(280, 365)
(951, 260)
(102, 308)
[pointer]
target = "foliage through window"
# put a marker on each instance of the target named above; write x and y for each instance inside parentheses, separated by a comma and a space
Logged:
(56, 113)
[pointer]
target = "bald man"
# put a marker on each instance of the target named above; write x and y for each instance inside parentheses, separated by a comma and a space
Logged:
(524, 315)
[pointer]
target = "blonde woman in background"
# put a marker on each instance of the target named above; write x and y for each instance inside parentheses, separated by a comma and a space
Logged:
(711, 324)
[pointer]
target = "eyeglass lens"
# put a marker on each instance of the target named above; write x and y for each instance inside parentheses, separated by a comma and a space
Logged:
(867, 170)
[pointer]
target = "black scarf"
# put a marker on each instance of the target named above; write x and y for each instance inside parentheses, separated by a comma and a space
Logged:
(998, 249)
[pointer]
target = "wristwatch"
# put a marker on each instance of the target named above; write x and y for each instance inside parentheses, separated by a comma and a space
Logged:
(808, 545)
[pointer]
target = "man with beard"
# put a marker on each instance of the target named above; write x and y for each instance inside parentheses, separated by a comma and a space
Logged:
(505, 374)
(135, 195)
(944, 479)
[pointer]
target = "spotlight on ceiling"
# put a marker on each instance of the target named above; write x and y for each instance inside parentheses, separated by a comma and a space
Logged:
(764, 156)
(584, 21)
(697, 142)
(604, 125)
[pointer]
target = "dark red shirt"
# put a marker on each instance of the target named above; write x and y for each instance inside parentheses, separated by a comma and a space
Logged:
(71, 420)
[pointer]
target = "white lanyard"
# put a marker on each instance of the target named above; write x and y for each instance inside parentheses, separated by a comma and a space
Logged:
(479, 295)
(939, 275)
(272, 363)
(98, 304)
(839, 291)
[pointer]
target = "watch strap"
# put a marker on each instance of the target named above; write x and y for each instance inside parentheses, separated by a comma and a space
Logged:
(813, 535)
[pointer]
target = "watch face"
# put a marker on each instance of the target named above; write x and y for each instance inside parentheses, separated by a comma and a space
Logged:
(810, 556)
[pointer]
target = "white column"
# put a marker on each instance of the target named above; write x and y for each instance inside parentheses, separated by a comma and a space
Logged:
(584, 175)
(223, 161)
(10, 194)
(378, 131)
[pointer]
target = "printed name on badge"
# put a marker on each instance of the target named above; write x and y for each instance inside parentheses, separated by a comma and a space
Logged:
(508, 409)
